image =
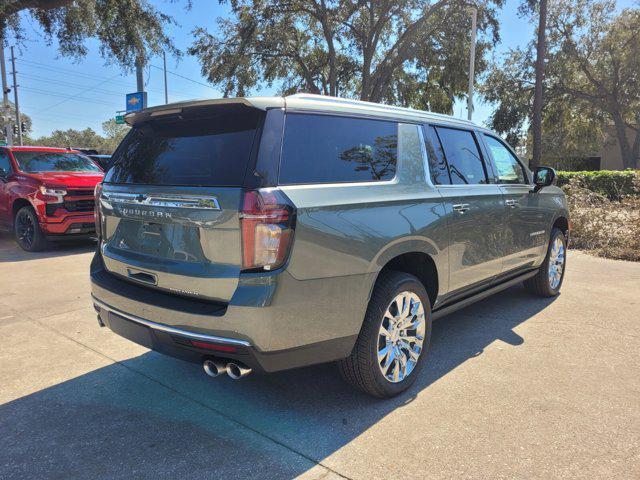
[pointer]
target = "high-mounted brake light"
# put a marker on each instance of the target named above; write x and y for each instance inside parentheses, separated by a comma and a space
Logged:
(267, 221)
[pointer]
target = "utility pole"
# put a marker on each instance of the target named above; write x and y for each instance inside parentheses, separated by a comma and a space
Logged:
(166, 91)
(139, 77)
(472, 61)
(15, 96)
(6, 109)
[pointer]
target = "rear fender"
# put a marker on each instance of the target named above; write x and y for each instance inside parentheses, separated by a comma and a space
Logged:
(411, 245)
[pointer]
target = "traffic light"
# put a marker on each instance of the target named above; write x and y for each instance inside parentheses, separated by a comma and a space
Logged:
(23, 127)
(15, 129)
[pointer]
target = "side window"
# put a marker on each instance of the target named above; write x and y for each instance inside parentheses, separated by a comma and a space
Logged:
(437, 161)
(509, 169)
(463, 156)
(332, 149)
(5, 163)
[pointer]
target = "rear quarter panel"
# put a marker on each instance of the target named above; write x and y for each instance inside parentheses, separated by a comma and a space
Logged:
(346, 233)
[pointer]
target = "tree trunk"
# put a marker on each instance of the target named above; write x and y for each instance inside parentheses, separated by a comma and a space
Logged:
(536, 121)
(628, 160)
(367, 57)
(635, 151)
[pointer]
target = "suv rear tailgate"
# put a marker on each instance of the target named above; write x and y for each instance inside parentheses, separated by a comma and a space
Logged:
(170, 204)
(185, 240)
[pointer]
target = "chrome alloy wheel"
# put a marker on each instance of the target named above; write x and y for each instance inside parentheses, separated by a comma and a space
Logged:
(400, 337)
(556, 263)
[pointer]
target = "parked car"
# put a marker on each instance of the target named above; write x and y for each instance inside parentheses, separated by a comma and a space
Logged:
(46, 194)
(271, 233)
(104, 161)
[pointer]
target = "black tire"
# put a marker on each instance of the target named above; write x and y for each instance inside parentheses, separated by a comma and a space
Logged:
(26, 229)
(540, 284)
(361, 368)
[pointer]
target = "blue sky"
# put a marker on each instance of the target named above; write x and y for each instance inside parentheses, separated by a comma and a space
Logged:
(59, 93)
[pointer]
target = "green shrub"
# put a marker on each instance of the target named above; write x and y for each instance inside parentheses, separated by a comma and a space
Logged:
(612, 184)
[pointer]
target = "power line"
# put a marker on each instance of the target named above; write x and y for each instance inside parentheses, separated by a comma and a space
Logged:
(79, 75)
(75, 97)
(69, 84)
(185, 78)
(71, 97)
(50, 116)
(75, 73)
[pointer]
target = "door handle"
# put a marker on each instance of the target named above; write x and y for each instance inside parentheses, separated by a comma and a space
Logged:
(461, 207)
(511, 203)
(142, 276)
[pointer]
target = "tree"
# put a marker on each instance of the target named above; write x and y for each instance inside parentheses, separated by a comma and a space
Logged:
(126, 29)
(114, 134)
(86, 138)
(598, 63)
(10, 118)
(536, 119)
(406, 52)
(570, 129)
(592, 76)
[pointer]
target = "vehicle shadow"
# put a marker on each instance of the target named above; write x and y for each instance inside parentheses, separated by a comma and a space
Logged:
(160, 417)
(11, 252)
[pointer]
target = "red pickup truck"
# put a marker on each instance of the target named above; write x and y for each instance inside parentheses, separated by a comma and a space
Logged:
(46, 194)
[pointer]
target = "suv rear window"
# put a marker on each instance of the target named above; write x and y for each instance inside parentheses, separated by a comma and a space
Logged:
(212, 151)
(331, 149)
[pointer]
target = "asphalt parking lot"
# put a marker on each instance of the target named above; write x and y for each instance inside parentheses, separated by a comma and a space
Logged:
(516, 387)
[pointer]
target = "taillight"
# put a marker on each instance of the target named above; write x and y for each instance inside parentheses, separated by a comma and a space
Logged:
(267, 221)
(96, 209)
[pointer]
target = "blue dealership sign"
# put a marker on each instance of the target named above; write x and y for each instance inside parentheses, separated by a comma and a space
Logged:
(136, 101)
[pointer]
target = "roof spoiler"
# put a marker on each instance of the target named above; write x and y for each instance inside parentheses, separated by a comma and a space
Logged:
(177, 108)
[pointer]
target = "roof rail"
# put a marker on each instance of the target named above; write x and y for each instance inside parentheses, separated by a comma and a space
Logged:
(354, 102)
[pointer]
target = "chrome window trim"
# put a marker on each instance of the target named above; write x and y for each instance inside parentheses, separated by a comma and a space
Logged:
(298, 186)
(168, 329)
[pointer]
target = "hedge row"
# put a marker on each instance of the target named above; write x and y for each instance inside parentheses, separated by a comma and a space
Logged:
(610, 183)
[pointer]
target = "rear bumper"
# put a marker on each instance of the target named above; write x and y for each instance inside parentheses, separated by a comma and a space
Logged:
(273, 321)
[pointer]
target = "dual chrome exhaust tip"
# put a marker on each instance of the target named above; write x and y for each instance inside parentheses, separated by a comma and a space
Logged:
(235, 370)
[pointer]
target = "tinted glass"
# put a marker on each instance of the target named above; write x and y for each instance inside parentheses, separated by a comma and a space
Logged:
(204, 151)
(509, 169)
(5, 164)
(437, 162)
(33, 162)
(327, 149)
(463, 156)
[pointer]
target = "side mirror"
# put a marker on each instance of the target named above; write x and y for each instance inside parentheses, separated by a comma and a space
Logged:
(543, 177)
(3, 174)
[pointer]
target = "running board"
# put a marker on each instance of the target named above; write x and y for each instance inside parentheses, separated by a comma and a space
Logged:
(465, 302)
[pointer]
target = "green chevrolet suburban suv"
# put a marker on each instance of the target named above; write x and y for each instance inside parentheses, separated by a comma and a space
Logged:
(262, 234)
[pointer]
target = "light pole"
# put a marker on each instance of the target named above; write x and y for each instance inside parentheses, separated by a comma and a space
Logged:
(166, 90)
(472, 60)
